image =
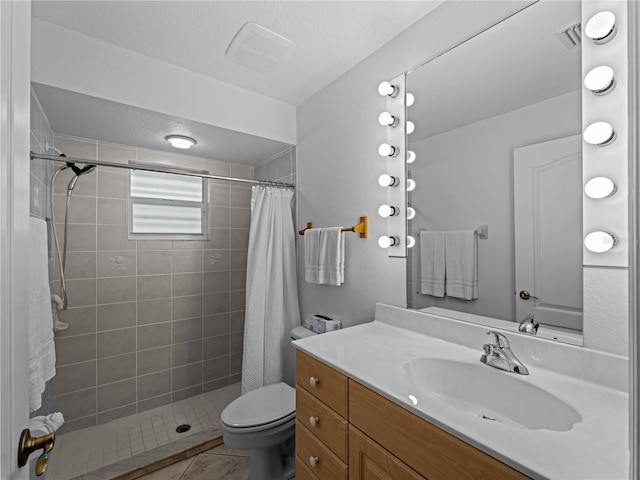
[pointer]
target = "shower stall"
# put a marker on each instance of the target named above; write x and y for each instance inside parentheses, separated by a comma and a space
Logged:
(153, 326)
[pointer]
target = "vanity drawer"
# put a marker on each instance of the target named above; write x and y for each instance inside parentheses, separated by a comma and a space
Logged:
(323, 382)
(330, 428)
(302, 471)
(429, 450)
(327, 466)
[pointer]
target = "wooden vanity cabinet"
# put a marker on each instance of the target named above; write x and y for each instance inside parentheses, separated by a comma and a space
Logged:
(322, 427)
(345, 430)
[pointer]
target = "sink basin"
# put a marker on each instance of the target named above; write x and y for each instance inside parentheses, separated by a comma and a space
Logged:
(488, 393)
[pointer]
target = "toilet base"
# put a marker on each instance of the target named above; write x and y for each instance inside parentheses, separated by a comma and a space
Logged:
(271, 452)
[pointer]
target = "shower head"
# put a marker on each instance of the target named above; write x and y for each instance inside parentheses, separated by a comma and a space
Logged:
(80, 171)
(77, 172)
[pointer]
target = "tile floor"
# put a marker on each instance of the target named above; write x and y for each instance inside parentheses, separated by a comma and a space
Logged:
(79, 452)
(220, 463)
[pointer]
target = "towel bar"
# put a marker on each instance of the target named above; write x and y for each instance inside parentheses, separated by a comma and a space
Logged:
(362, 228)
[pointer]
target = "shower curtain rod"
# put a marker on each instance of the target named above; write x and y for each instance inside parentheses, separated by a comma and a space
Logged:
(156, 168)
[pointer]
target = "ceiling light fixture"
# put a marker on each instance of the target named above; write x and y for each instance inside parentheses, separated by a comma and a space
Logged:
(180, 141)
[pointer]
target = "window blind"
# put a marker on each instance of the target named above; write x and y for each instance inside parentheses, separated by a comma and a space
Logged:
(166, 203)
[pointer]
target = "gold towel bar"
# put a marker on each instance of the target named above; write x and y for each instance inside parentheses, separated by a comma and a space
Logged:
(362, 228)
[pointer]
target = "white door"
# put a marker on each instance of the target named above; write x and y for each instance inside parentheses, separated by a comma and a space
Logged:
(548, 231)
(15, 31)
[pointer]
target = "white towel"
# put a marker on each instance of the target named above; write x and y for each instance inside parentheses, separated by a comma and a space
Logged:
(461, 258)
(42, 355)
(432, 263)
(43, 425)
(324, 256)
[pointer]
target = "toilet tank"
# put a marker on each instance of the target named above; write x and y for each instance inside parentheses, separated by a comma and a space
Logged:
(290, 354)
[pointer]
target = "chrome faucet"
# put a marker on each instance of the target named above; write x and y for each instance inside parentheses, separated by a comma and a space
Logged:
(499, 355)
(528, 325)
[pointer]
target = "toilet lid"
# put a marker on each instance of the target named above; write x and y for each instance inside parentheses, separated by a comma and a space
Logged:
(261, 406)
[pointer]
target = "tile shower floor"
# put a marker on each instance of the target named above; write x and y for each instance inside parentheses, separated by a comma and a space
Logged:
(79, 452)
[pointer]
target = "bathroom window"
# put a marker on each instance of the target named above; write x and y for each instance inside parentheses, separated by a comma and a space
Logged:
(167, 206)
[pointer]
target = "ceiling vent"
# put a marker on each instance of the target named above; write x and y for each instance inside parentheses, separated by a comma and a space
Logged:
(259, 48)
(571, 37)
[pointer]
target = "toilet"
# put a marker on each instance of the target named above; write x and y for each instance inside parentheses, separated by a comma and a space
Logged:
(263, 422)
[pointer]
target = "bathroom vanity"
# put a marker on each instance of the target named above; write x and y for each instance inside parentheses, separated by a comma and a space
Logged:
(369, 434)
(407, 395)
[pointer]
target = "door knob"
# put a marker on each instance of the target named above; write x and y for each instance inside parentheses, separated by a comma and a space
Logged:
(29, 444)
(525, 295)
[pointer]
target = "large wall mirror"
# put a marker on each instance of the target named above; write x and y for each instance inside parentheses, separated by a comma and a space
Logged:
(497, 143)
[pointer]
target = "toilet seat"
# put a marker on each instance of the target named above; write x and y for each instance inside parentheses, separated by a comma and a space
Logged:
(260, 409)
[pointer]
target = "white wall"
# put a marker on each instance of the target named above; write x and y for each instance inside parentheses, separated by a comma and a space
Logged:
(338, 163)
(338, 166)
(69, 60)
(477, 162)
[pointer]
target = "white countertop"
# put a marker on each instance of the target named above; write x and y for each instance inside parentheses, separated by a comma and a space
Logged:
(596, 448)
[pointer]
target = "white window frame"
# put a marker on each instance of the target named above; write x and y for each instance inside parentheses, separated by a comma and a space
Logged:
(203, 205)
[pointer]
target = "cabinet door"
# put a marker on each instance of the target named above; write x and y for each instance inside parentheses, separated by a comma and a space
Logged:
(369, 461)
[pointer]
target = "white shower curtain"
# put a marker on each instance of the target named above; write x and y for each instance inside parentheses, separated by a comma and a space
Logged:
(272, 287)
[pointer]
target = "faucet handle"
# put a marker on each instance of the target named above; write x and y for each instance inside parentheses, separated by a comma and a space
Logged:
(499, 339)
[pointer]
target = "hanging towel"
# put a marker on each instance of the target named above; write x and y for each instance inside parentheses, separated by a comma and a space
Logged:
(461, 259)
(311, 255)
(43, 425)
(324, 256)
(42, 355)
(432, 263)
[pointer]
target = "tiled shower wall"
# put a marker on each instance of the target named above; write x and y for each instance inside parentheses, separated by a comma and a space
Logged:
(41, 172)
(281, 168)
(151, 321)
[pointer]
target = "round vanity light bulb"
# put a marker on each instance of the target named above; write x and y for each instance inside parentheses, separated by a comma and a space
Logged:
(601, 28)
(411, 185)
(600, 80)
(180, 141)
(600, 242)
(387, 120)
(385, 180)
(410, 99)
(386, 150)
(599, 133)
(411, 213)
(600, 187)
(410, 241)
(387, 241)
(385, 88)
(387, 211)
(410, 127)
(411, 156)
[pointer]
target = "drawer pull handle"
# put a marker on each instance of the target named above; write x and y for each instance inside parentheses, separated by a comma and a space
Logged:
(314, 461)
(313, 381)
(314, 421)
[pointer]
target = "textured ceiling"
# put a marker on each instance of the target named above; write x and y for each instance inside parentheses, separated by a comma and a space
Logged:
(330, 36)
